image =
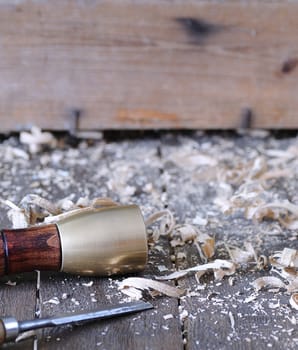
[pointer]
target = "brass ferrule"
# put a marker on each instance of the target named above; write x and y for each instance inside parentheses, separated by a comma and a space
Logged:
(104, 241)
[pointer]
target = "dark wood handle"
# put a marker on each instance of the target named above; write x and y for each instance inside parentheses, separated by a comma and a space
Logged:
(34, 248)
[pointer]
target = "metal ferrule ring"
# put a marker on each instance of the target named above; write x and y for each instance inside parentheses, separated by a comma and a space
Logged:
(11, 326)
(104, 241)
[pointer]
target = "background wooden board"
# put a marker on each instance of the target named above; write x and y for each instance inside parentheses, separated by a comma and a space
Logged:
(143, 65)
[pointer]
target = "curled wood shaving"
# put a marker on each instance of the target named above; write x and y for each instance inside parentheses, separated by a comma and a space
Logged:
(241, 256)
(243, 172)
(268, 281)
(54, 301)
(25, 335)
(294, 301)
(293, 286)
(285, 263)
(132, 285)
(284, 212)
(262, 262)
(288, 257)
(34, 209)
(180, 234)
(204, 243)
(167, 223)
(219, 267)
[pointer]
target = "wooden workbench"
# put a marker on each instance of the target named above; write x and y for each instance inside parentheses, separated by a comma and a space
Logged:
(216, 317)
(148, 64)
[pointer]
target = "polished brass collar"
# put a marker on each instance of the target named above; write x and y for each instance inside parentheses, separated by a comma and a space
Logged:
(104, 241)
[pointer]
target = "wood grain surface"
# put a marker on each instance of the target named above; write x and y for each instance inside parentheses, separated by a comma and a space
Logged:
(220, 315)
(146, 329)
(143, 65)
(148, 172)
(34, 248)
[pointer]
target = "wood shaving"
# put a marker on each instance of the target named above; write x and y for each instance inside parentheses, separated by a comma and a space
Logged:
(219, 267)
(181, 234)
(286, 258)
(36, 139)
(167, 223)
(271, 305)
(89, 284)
(285, 213)
(204, 243)
(162, 268)
(198, 220)
(250, 298)
(294, 301)
(183, 315)
(268, 281)
(232, 321)
(25, 335)
(54, 300)
(75, 301)
(240, 256)
(285, 264)
(34, 209)
(11, 284)
(132, 285)
(168, 316)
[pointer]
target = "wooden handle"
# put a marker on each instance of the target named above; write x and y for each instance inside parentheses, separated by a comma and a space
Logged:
(29, 249)
(2, 333)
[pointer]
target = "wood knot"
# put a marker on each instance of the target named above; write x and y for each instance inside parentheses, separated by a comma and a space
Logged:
(289, 65)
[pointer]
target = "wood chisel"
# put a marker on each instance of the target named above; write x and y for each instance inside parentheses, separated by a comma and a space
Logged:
(105, 241)
(10, 328)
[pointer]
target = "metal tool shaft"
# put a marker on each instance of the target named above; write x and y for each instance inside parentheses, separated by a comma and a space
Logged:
(11, 327)
(105, 312)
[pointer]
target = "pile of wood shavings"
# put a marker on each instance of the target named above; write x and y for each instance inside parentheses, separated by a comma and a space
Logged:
(244, 182)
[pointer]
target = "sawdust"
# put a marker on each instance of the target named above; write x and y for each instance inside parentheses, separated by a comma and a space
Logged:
(246, 184)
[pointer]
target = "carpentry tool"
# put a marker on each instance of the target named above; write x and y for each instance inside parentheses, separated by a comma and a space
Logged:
(10, 328)
(105, 241)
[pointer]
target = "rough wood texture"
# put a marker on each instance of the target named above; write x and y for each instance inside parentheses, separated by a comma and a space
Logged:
(34, 248)
(220, 317)
(139, 331)
(156, 173)
(18, 301)
(138, 64)
(148, 330)
(2, 257)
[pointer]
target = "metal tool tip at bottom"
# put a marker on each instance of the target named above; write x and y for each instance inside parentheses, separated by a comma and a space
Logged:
(10, 328)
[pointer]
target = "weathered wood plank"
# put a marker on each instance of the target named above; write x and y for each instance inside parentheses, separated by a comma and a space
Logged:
(138, 331)
(167, 64)
(221, 315)
(176, 171)
(18, 301)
